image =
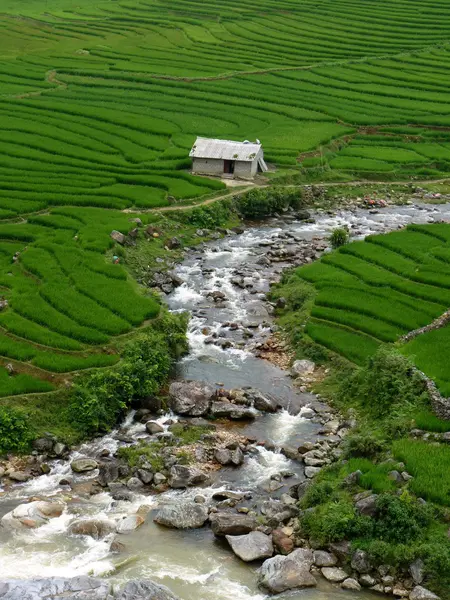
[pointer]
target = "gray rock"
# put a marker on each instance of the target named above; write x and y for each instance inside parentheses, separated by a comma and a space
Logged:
(224, 523)
(223, 456)
(300, 368)
(308, 413)
(43, 445)
(118, 237)
(94, 528)
(282, 573)
(134, 483)
(421, 593)
(182, 476)
(334, 574)
(83, 465)
(416, 570)
(153, 427)
(191, 398)
(19, 476)
(145, 590)
(55, 588)
(252, 546)
(341, 549)
(367, 506)
(145, 476)
(360, 562)
(311, 472)
(60, 449)
(231, 411)
(324, 559)
(367, 580)
(237, 457)
(107, 473)
(350, 584)
(395, 476)
(129, 524)
(159, 478)
(265, 403)
(183, 515)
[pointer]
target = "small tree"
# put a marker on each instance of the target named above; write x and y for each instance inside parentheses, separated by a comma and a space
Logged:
(339, 237)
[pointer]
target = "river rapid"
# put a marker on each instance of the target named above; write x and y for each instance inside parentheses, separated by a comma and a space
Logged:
(193, 564)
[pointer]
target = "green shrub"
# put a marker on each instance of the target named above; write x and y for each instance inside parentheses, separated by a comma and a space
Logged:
(15, 431)
(364, 445)
(148, 452)
(388, 382)
(339, 237)
(400, 519)
(262, 203)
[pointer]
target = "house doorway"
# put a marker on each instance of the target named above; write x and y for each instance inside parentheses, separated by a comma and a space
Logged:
(228, 166)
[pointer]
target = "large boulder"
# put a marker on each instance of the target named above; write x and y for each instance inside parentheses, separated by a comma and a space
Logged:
(191, 398)
(224, 523)
(300, 368)
(231, 411)
(94, 528)
(83, 465)
(145, 590)
(183, 515)
(182, 476)
(32, 515)
(55, 588)
(421, 593)
(107, 473)
(81, 588)
(360, 562)
(282, 573)
(252, 546)
(324, 559)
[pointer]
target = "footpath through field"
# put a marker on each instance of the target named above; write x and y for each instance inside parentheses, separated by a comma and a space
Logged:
(266, 185)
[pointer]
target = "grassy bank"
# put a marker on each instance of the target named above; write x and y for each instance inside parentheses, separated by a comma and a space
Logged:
(347, 312)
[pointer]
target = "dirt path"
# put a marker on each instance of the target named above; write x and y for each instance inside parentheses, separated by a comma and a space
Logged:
(265, 185)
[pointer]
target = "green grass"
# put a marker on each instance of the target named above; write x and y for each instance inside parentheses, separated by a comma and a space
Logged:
(21, 384)
(428, 464)
(373, 292)
(429, 422)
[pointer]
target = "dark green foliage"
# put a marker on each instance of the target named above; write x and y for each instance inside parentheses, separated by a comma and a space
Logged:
(16, 432)
(401, 519)
(364, 445)
(339, 237)
(262, 203)
(389, 381)
(100, 399)
(208, 217)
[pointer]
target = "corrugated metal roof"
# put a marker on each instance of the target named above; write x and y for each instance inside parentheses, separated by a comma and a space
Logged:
(224, 149)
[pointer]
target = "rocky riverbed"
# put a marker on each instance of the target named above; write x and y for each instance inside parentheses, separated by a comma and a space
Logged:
(236, 450)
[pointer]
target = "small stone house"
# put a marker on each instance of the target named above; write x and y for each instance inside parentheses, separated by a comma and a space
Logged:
(226, 158)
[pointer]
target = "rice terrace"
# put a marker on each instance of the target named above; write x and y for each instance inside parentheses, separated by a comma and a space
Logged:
(214, 212)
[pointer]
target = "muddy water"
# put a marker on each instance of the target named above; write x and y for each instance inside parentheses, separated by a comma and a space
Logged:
(194, 564)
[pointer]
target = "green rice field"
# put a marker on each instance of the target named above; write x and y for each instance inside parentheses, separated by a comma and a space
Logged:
(375, 291)
(100, 103)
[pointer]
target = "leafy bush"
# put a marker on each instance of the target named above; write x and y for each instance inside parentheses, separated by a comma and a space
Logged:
(400, 519)
(364, 445)
(100, 399)
(262, 203)
(389, 381)
(15, 431)
(334, 521)
(144, 452)
(339, 237)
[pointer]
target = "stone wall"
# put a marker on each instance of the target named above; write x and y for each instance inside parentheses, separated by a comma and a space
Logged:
(436, 324)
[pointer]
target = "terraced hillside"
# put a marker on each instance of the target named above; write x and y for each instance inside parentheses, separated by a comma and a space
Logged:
(375, 291)
(100, 103)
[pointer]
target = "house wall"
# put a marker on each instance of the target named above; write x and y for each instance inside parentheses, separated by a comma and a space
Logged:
(207, 166)
(245, 170)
